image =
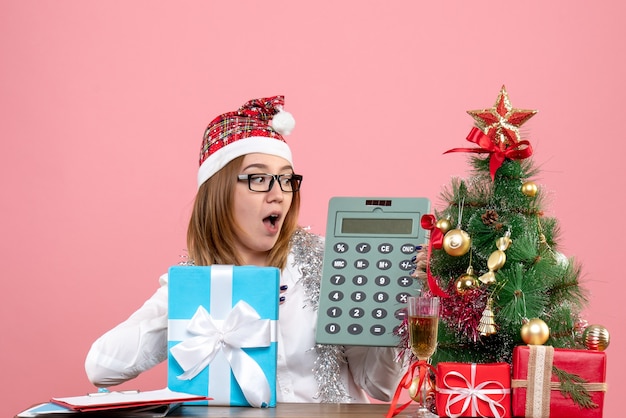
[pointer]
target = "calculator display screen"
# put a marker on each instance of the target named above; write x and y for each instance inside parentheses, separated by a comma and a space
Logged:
(376, 226)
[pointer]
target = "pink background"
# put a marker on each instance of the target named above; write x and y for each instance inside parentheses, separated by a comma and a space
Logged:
(103, 105)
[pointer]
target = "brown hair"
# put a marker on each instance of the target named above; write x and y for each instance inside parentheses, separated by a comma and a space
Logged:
(212, 229)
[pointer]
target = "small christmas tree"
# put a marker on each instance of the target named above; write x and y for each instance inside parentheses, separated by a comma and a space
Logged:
(493, 255)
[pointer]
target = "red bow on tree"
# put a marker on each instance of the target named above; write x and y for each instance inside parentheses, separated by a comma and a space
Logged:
(520, 150)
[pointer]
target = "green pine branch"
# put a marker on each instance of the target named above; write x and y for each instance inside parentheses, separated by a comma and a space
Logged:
(522, 295)
(572, 387)
(566, 285)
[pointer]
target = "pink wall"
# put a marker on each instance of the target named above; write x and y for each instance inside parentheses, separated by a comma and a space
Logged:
(103, 105)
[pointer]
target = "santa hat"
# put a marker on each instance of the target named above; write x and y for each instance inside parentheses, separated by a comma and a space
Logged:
(257, 126)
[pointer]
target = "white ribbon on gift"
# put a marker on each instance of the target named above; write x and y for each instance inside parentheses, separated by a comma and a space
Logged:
(242, 328)
(471, 394)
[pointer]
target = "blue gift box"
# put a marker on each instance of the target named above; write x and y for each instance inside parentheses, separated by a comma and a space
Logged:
(222, 333)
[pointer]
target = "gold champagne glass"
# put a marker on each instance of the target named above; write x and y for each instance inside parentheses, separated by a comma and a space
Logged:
(423, 317)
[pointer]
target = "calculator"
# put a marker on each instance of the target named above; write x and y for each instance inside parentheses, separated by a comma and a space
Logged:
(366, 275)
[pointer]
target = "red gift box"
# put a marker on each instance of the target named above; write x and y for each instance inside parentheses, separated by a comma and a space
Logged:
(536, 389)
(473, 390)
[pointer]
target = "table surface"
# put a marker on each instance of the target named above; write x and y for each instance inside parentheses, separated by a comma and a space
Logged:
(300, 410)
(282, 410)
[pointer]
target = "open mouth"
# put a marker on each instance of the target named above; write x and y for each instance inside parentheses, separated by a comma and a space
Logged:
(272, 220)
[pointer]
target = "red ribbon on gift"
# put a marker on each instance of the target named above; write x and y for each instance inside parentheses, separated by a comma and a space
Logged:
(517, 151)
(429, 223)
(406, 382)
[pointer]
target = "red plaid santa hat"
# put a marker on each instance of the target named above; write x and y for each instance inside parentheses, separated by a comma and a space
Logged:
(257, 126)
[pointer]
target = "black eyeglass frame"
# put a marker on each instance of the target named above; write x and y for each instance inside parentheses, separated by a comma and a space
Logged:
(294, 179)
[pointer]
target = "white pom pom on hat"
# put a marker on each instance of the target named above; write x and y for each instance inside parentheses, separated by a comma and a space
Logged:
(283, 122)
(257, 126)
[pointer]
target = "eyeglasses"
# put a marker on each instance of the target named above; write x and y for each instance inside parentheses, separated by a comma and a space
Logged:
(264, 182)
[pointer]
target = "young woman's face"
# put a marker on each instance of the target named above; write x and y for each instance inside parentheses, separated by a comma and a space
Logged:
(260, 215)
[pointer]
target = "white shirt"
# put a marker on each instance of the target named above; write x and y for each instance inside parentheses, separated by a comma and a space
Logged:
(140, 343)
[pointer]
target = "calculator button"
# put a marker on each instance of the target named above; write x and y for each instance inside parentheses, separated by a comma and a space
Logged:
(407, 249)
(334, 312)
(337, 279)
(341, 247)
(358, 296)
(357, 313)
(363, 248)
(407, 265)
(377, 330)
(359, 280)
(383, 264)
(379, 313)
(336, 295)
(400, 314)
(340, 263)
(355, 329)
(399, 330)
(402, 297)
(332, 328)
(381, 297)
(405, 281)
(361, 264)
(385, 248)
(382, 280)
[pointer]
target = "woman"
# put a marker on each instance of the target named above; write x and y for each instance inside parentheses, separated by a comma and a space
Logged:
(245, 213)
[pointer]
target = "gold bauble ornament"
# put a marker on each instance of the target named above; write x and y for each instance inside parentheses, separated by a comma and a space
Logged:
(418, 396)
(535, 332)
(596, 337)
(444, 225)
(456, 242)
(467, 281)
(529, 189)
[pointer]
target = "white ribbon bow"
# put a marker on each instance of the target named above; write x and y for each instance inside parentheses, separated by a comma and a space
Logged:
(472, 393)
(242, 328)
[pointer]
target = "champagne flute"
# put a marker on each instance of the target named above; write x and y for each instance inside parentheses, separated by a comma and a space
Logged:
(423, 320)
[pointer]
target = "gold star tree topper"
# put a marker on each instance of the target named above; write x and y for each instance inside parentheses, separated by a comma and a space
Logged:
(502, 121)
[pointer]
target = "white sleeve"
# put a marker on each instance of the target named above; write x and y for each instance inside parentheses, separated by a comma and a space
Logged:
(132, 347)
(376, 369)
